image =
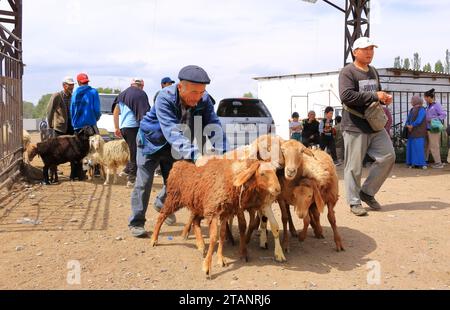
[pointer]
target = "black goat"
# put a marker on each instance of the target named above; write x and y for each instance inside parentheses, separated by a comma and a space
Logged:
(62, 149)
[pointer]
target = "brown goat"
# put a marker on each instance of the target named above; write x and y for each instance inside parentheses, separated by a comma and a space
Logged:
(222, 188)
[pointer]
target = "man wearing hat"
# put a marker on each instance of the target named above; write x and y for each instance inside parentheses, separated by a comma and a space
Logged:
(167, 81)
(129, 108)
(58, 109)
(85, 105)
(359, 86)
(85, 111)
(181, 112)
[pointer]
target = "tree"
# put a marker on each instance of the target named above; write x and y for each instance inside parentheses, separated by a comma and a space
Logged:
(248, 95)
(447, 62)
(28, 109)
(406, 64)
(40, 111)
(439, 67)
(108, 90)
(416, 61)
(397, 63)
(427, 67)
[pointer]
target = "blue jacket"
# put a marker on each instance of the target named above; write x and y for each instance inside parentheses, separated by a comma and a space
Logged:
(85, 107)
(161, 125)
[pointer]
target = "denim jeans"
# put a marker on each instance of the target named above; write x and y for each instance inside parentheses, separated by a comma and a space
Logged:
(146, 166)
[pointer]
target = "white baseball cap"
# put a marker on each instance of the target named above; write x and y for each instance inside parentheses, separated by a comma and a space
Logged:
(363, 42)
(68, 80)
(137, 80)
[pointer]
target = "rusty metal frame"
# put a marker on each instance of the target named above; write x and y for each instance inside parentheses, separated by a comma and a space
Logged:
(11, 72)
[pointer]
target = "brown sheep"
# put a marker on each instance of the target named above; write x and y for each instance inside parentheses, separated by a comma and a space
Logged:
(223, 188)
(265, 147)
(320, 168)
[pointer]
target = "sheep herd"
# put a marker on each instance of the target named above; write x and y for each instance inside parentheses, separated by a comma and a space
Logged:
(218, 188)
(252, 178)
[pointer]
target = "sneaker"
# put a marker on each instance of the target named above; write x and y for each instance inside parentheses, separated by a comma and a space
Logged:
(438, 166)
(358, 210)
(370, 200)
(138, 231)
(337, 163)
(123, 174)
(424, 167)
(130, 184)
(170, 220)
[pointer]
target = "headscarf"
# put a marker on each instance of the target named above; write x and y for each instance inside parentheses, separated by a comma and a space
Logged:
(416, 101)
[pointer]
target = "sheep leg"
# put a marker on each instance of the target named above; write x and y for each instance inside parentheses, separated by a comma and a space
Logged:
(54, 170)
(107, 176)
(187, 227)
(161, 218)
(45, 174)
(114, 175)
(291, 223)
(279, 255)
(223, 230)
(242, 239)
(252, 225)
(315, 222)
(212, 244)
(102, 172)
(337, 237)
(284, 218)
(229, 234)
(263, 232)
(198, 235)
(303, 233)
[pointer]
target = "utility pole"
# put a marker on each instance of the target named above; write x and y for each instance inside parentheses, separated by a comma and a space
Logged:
(357, 23)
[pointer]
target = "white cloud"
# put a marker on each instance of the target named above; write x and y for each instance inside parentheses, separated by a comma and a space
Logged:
(233, 40)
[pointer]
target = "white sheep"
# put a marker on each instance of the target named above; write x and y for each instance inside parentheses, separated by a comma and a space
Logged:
(26, 142)
(110, 155)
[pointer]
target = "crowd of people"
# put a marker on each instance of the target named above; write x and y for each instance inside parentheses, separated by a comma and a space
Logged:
(156, 137)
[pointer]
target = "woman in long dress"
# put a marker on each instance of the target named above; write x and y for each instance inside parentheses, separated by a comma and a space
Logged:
(417, 132)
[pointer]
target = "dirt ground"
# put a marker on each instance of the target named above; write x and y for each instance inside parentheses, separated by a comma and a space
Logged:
(45, 232)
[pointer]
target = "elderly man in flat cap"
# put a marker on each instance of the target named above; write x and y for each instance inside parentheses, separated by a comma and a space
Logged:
(166, 134)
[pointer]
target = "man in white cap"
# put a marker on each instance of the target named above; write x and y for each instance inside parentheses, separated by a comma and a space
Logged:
(359, 86)
(58, 112)
(129, 108)
(58, 109)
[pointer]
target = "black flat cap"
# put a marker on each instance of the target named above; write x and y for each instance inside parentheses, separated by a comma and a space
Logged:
(194, 74)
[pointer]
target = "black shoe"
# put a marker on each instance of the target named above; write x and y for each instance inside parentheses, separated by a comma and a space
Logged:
(358, 210)
(370, 200)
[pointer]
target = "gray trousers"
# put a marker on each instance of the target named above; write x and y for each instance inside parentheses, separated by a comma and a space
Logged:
(146, 166)
(379, 146)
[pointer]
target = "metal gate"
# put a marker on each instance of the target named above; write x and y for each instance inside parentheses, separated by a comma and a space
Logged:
(11, 71)
(400, 108)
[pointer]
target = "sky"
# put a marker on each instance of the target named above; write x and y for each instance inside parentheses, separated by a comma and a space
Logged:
(234, 40)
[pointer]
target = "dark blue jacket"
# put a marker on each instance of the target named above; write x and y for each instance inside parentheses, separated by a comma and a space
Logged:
(85, 107)
(162, 125)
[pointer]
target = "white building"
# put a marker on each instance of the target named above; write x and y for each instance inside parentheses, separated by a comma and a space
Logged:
(285, 94)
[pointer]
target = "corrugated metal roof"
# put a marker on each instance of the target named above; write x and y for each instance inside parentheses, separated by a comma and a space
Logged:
(414, 72)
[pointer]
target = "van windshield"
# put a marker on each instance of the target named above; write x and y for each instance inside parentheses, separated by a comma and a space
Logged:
(242, 108)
